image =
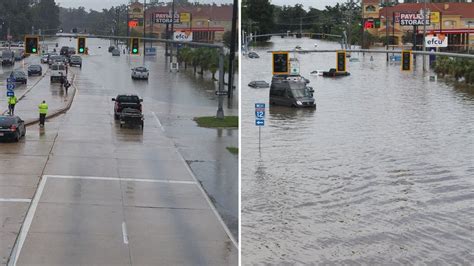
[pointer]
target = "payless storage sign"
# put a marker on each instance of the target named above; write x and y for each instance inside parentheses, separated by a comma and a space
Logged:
(412, 19)
(436, 41)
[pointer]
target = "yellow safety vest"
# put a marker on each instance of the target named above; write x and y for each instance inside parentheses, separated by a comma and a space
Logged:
(12, 100)
(43, 108)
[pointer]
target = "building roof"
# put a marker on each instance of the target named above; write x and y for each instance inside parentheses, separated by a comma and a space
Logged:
(465, 10)
(212, 12)
(374, 2)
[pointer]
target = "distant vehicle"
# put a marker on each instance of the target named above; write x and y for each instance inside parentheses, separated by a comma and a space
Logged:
(297, 47)
(57, 59)
(12, 128)
(315, 45)
(253, 55)
(317, 72)
(8, 58)
(64, 51)
(123, 101)
(75, 60)
(115, 52)
(58, 70)
(333, 73)
(287, 90)
(21, 44)
(19, 76)
(35, 70)
(259, 84)
(111, 48)
(19, 55)
(140, 73)
(44, 58)
(71, 51)
(131, 117)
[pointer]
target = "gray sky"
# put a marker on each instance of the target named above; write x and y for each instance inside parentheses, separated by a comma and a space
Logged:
(99, 4)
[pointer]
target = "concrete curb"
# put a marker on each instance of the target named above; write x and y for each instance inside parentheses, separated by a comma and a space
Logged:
(60, 110)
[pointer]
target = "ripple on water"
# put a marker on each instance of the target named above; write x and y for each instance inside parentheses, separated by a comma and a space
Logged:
(381, 173)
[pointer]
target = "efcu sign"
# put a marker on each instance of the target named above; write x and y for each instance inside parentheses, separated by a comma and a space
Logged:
(436, 41)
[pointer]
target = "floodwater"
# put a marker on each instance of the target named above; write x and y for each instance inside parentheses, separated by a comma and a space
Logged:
(380, 173)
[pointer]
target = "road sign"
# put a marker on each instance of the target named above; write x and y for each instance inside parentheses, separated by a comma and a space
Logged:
(259, 111)
(10, 80)
(10, 94)
(436, 41)
(10, 86)
(259, 122)
(221, 93)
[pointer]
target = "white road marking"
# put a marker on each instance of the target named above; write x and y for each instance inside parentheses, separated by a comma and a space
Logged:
(28, 220)
(124, 233)
(123, 179)
(218, 216)
(15, 200)
(158, 121)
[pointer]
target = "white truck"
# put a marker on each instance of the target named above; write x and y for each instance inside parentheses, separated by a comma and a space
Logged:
(58, 70)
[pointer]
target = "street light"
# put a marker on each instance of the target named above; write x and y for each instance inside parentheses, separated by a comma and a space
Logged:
(208, 33)
(469, 37)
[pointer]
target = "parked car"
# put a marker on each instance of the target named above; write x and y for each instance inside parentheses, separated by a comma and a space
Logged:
(75, 60)
(8, 58)
(111, 48)
(35, 70)
(123, 101)
(140, 73)
(19, 76)
(12, 128)
(259, 84)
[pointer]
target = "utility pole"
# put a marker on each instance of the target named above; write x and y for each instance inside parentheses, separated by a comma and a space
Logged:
(386, 26)
(424, 34)
(233, 37)
(144, 29)
(172, 31)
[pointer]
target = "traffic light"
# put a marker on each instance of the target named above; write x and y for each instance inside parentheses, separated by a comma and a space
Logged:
(81, 45)
(281, 63)
(377, 23)
(341, 61)
(135, 46)
(31, 44)
(406, 60)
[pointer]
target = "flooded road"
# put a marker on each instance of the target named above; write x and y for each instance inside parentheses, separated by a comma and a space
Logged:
(380, 173)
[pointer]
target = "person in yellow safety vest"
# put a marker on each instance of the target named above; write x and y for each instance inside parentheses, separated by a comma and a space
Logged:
(43, 111)
(11, 104)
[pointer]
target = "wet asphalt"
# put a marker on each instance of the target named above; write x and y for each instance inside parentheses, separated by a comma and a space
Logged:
(121, 196)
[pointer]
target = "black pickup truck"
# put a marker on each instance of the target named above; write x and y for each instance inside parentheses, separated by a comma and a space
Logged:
(123, 101)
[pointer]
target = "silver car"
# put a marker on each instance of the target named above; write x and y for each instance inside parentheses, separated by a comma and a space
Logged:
(140, 73)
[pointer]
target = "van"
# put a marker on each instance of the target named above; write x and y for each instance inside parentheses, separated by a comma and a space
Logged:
(58, 70)
(288, 90)
(8, 58)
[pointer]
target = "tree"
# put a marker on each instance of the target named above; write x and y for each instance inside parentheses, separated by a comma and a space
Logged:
(259, 15)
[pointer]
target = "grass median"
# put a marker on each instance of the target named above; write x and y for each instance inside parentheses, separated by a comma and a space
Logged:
(213, 122)
(233, 150)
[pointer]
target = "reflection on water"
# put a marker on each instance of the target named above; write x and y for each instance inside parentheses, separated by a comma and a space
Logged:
(380, 173)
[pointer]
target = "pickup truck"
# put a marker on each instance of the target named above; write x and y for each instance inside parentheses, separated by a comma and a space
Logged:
(123, 101)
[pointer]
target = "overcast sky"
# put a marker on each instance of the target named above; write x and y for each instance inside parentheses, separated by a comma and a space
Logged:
(100, 4)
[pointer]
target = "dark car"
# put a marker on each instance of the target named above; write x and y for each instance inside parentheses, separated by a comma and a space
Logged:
(8, 58)
(75, 60)
(12, 128)
(253, 55)
(19, 55)
(126, 101)
(35, 70)
(64, 51)
(288, 90)
(259, 84)
(111, 48)
(19, 76)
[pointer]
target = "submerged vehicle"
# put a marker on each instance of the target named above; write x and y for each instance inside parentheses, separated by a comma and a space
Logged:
(291, 90)
(333, 73)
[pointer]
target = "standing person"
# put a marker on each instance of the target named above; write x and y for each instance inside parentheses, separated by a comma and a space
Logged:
(66, 85)
(43, 111)
(61, 80)
(11, 104)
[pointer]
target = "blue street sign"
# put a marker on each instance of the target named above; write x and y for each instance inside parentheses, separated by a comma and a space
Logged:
(10, 94)
(10, 86)
(260, 114)
(259, 122)
(259, 105)
(10, 80)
